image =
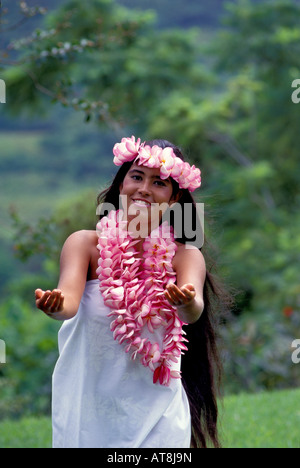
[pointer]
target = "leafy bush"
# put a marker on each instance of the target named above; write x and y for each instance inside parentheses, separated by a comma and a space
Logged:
(257, 351)
(31, 352)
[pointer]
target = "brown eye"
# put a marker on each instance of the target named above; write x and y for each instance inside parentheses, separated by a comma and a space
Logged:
(160, 183)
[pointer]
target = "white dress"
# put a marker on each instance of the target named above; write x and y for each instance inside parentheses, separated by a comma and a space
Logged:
(103, 399)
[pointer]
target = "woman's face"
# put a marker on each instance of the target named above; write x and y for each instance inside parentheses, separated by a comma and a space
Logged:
(143, 192)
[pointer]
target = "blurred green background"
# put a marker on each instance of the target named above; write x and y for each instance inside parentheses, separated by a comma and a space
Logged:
(213, 77)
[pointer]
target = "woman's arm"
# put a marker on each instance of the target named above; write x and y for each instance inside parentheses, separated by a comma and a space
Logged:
(62, 303)
(187, 294)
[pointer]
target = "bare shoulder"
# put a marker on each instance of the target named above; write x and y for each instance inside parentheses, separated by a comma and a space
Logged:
(189, 260)
(190, 267)
(188, 252)
(84, 237)
(80, 244)
(76, 256)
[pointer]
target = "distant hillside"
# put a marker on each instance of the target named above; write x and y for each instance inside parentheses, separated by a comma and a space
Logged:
(186, 13)
(170, 13)
(182, 13)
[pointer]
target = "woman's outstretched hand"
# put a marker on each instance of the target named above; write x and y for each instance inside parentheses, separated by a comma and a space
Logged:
(189, 307)
(50, 302)
(179, 297)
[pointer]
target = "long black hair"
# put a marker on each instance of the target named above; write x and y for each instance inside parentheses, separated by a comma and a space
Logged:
(201, 365)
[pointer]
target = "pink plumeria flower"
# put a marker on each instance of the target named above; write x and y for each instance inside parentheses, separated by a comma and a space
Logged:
(148, 316)
(163, 374)
(167, 162)
(123, 331)
(152, 284)
(127, 150)
(138, 343)
(152, 355)
(177, 168)
(149, 156)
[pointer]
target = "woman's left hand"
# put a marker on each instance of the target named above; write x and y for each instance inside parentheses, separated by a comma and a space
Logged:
(180, 297)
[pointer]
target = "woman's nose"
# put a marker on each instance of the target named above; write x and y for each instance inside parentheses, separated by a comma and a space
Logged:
(145, 187)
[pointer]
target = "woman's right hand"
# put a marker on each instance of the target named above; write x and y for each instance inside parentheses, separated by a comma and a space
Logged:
(50, 302)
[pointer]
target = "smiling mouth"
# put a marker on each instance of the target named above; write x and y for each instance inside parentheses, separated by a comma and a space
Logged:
(141, 203)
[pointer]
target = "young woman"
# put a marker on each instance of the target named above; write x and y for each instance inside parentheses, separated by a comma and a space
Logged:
(133, 298)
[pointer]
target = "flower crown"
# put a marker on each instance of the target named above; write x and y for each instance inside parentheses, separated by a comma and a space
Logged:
(188, 177)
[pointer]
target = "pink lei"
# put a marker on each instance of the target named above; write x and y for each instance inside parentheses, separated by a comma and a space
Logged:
(133, 288)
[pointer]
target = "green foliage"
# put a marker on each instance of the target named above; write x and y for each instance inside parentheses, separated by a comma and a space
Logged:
(101, 59)
(31, 352)
(258, 351)
(269, 53)
(46, 238)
